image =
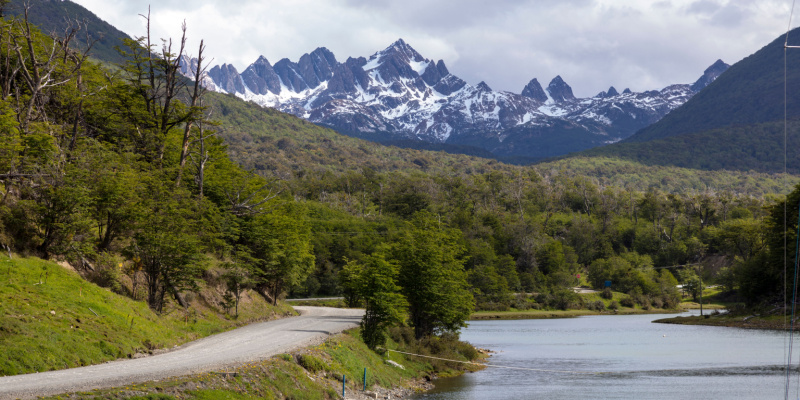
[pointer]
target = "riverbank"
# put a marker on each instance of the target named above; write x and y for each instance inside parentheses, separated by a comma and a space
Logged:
(771, 322)
(314, 373)
(547, 314)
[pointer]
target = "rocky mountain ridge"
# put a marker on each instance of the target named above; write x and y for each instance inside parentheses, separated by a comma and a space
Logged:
(397, 94)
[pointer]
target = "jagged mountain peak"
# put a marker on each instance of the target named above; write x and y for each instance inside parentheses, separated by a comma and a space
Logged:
(399, 94)
(534, 90)
(559, 91)
(227, 78)
(710, 74)
(442, 68)
(401, 46)
(399, 50)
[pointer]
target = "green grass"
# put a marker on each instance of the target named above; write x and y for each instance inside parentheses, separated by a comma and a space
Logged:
(51, 318)
(545, 314)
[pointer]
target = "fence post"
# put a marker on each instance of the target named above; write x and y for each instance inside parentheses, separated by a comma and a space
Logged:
(344, 380)
(365, 379)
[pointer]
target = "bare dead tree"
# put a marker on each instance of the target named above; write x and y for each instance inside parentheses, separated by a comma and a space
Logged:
(78, 58)
(10, 70)
(194, 108)
(157, 80)
(244, 202)
(36, 71)
(201, 157)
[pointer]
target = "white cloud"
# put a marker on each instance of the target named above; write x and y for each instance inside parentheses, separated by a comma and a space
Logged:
(592, 44)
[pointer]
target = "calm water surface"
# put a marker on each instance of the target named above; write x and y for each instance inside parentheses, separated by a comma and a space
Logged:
(632, 357)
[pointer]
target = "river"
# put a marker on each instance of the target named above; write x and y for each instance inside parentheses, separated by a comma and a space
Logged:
(620, 357)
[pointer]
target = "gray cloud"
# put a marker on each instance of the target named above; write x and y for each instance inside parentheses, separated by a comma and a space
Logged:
(592, 44)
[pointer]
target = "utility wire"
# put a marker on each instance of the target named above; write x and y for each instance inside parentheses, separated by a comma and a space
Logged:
(787, 353)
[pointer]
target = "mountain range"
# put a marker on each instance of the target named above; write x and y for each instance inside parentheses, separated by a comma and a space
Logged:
(733, 123)
(398, 95)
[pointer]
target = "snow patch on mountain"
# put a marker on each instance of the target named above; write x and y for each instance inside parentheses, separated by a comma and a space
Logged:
(398, 92)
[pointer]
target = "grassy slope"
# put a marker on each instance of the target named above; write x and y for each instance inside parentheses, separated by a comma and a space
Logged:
(51, 318)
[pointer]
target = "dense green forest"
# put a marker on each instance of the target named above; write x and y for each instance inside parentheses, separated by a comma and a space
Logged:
(140, 179)
(757, 147)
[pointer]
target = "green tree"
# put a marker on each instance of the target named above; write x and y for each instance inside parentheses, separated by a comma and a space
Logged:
(349, 281)
(279, 242)
(165, 244)
(432, 276)
(384, 304)
(766, 274)
(237, 277)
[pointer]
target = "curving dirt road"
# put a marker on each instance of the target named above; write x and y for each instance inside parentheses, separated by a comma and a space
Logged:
(250, 343)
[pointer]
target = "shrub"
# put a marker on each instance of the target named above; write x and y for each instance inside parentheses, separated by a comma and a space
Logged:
(106, 272)
(492, 306)
(562, 299)
(670, 302)
(521, 302)
(311, 363)
(597, 305)
(607, 294)
(627, 301)
(658, 303)
(613, 305)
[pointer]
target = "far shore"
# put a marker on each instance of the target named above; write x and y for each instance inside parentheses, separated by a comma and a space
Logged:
(547, 314)
(770, 322)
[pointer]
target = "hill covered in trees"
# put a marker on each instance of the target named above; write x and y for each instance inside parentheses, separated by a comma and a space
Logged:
(757, 147)
(750, 92)
(58, 16)
(143, 181)
(736, 123)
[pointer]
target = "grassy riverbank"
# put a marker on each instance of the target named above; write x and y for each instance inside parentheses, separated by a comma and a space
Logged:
(774, 322)
(314, 373)
(546, 314)
(51, 318)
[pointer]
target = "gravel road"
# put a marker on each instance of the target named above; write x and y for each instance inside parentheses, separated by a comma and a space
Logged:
(250, 343)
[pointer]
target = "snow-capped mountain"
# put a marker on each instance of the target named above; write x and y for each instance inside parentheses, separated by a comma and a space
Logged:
(398, 94)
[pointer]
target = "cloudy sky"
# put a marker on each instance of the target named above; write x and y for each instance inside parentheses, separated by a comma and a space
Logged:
(592, 44)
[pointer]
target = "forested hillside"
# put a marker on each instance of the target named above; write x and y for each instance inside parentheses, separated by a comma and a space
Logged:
(141, 180)
(758, 147)
(750, 92)
(58, 16)
(736, 123)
